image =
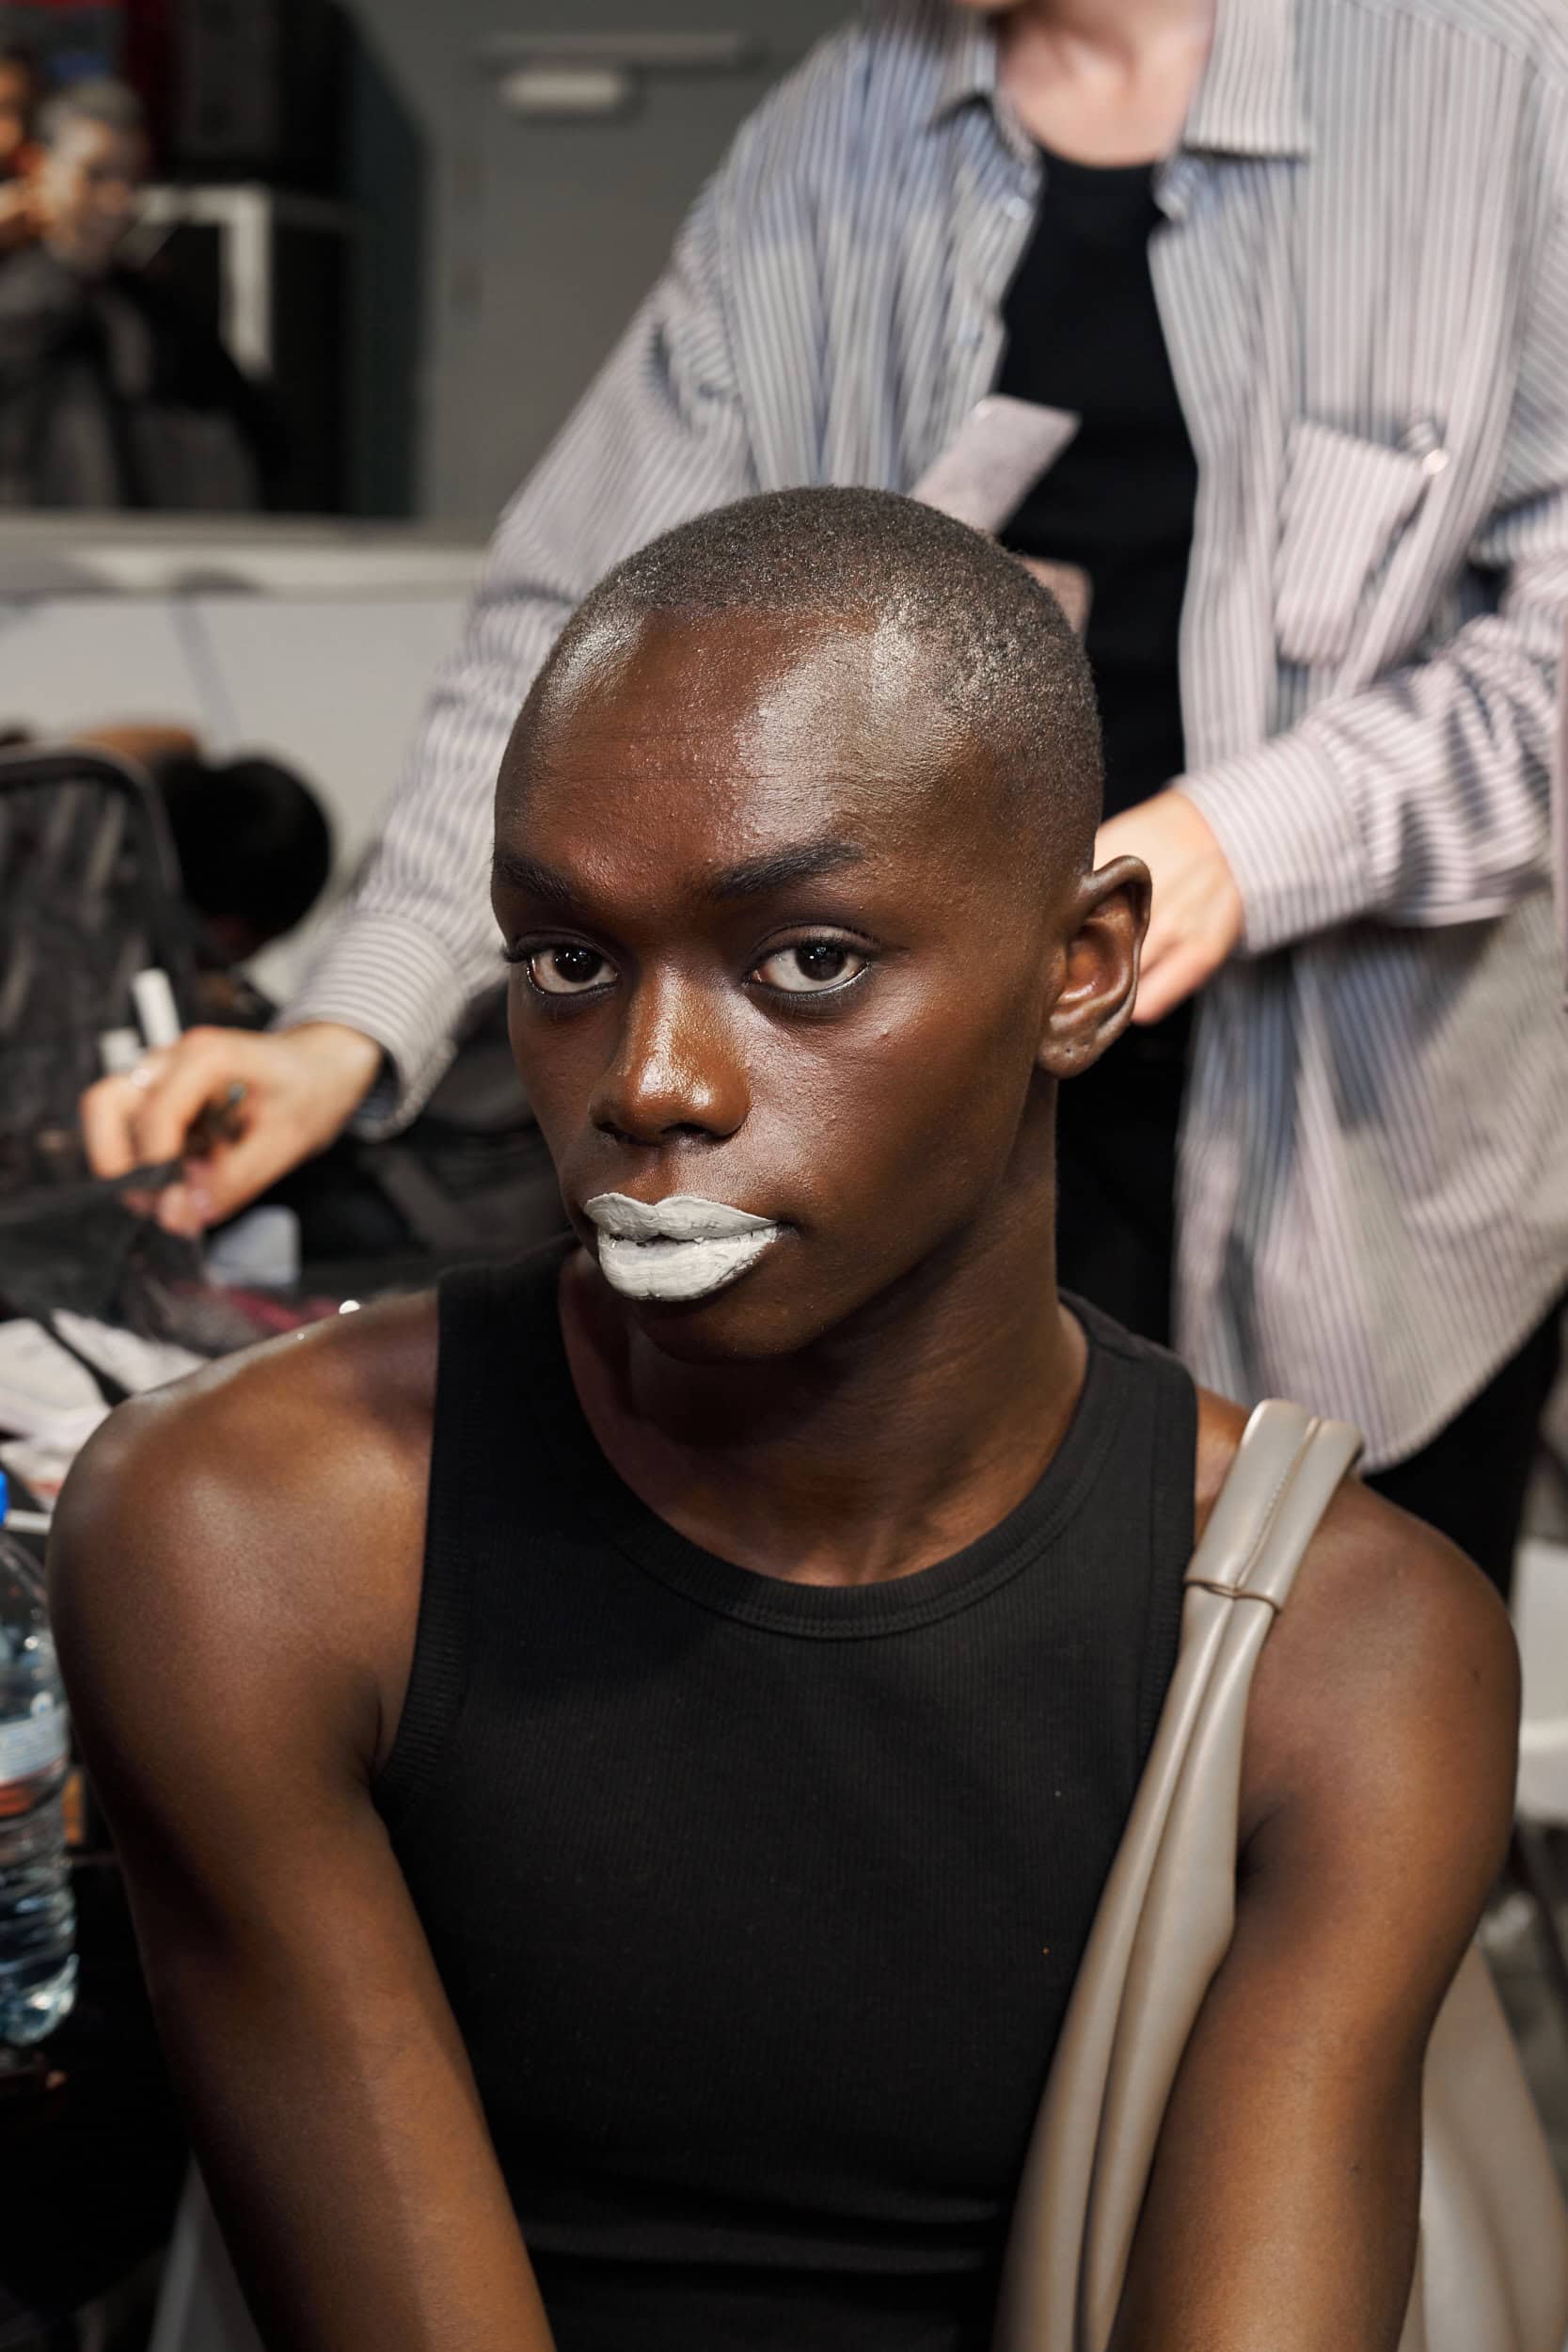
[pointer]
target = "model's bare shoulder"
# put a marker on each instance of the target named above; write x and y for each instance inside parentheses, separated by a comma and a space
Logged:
(1385, 1711)
(1389, 1689)
(258, 1526)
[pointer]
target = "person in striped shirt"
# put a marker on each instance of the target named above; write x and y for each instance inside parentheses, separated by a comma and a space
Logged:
(1292, 274)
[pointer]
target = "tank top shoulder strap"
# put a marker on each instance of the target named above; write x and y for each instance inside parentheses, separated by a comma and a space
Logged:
(496, 1325)
(1152, 1398)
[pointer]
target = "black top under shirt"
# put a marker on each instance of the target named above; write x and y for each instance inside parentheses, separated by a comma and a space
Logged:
(759, 1904)
(1083, 334)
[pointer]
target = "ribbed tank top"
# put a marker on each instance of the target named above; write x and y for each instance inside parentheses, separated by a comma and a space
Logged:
(759, 1904)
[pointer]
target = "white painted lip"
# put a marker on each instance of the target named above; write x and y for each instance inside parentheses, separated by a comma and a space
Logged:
(680, 1249)
(684, 1216)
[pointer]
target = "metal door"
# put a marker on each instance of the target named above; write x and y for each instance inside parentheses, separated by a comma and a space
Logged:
(584, 143)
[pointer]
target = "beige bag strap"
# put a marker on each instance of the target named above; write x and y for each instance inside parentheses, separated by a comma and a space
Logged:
(1165, 1919)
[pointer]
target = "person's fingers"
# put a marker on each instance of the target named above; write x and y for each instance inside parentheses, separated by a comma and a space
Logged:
(181, 1209)
(188, 1077)
(1184, 909)
(1170, 932)
(224, 1181)
(1172, 979)
(108, 1131)
(284, 1095)
(141, 1118)
(1159, 939)
(111, 1114)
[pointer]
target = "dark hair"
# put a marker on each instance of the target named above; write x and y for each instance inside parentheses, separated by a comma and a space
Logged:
(101, 100)
(252, 840)
(1003, 657)
(22, 59)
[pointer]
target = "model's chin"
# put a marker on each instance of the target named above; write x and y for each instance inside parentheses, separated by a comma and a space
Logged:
(756, 1315)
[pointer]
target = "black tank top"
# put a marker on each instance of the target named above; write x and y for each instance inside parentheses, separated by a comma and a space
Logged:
(759, 1904)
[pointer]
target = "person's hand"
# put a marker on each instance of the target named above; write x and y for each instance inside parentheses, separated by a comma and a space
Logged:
(1197, 919)
(300, 1088)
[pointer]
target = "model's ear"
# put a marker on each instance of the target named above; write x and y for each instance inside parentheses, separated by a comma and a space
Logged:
(1100, 975)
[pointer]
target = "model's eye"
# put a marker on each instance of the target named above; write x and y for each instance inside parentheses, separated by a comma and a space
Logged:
(567, 971)
(812, 967)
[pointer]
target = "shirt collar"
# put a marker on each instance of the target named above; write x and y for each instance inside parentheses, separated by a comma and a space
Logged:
(1248, 102)
(966, 61)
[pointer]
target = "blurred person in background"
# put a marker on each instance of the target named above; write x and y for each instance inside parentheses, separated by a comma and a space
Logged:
(253, 842)
(254, 845)
(1293, 272)
(112, 393)
(20, 92)
(21, 88)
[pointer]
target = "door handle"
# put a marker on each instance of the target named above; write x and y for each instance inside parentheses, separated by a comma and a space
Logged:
(624, 53)
(593, 75)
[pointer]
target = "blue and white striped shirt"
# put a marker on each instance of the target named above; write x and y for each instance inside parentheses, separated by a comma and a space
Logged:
(1362, 272)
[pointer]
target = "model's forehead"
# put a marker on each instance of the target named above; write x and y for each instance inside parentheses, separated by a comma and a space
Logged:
(740, 719)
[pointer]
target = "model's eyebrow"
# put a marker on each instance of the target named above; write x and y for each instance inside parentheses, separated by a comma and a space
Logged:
(515, 872)
(753, 878)
(804, 861)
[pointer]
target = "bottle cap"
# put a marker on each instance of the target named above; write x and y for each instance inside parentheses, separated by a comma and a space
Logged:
(157, 1010)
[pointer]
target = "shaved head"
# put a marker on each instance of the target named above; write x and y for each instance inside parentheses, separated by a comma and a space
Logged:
(995, 654)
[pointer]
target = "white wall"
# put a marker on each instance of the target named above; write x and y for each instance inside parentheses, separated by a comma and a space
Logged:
(332, 684)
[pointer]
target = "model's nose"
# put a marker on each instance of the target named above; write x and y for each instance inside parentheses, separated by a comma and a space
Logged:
(678, 1069)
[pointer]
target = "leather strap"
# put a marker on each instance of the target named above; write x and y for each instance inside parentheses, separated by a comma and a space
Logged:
(1166, 1917)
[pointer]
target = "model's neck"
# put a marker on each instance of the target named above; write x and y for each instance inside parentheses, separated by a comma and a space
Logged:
(899, 1438)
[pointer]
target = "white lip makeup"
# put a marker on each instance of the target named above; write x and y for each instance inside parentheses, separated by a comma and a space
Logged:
(677, 1249)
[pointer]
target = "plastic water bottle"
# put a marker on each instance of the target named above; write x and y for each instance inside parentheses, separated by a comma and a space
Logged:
(37, 1918)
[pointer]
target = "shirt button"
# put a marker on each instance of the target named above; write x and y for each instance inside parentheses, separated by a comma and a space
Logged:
(1436, 461)
(1018, 208)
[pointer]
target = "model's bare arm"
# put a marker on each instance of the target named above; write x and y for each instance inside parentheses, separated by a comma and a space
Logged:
(222, 1605)
(1377, 1794)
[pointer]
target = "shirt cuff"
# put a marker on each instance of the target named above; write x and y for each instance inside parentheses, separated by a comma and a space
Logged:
(390, 979)
(1283, 818)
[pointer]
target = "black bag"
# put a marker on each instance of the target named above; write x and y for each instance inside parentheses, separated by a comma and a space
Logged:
(90, 896)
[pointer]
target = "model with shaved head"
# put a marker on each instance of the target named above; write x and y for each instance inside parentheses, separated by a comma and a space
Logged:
(616, 1762)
